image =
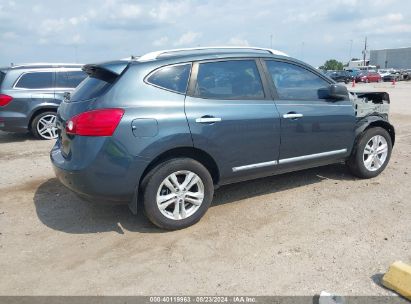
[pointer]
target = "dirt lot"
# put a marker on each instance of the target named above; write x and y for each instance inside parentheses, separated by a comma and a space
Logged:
(294, 234)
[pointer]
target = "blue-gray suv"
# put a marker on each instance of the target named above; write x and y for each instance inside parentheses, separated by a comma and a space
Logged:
(30, 95)
(161, 131)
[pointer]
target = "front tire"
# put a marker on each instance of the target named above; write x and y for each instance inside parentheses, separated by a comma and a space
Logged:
(43, 125)
(177, 193)
(371, 153)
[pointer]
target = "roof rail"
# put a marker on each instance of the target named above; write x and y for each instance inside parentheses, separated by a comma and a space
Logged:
(155, 55)
(44, 64)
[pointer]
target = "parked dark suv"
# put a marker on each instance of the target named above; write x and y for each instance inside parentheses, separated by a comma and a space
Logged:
(166, 129)
(30, 95)
(340, 76)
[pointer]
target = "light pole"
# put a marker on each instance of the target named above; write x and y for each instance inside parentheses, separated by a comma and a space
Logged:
(349, 57)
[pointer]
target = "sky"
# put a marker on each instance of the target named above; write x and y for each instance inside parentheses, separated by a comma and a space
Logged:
(98, 30)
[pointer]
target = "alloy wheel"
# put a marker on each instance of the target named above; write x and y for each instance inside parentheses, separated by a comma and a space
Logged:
(375, 153)
(46, 126)
(180, 195)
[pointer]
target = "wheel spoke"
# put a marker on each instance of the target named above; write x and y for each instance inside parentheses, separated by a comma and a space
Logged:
(194, 201)
(162, 198)
(183, 211)
(368, 162)
(164, 205)
(169, 185)
(189, 177)
(377, 162)
(53, 132)
(382, 149)
(174, 180)
(176, 212)
(367, 150)
(375, 142)
(194, 181)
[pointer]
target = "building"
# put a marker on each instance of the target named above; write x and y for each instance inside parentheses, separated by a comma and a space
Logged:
(352, 64)
(391, 58)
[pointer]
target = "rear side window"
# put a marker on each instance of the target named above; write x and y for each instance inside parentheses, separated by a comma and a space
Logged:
(35, 80)
(235, 79)
(70, 79)
(173, 78)
(295, 82)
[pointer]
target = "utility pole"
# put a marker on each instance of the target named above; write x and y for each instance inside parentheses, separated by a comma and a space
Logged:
(365, 51)
(349, 57)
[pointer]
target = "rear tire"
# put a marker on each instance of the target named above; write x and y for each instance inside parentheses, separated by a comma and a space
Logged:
(171, 204)
(43, 125)
(371, 153)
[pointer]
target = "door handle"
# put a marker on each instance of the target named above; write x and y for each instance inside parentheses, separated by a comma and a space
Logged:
(208, 119)
(293, 115)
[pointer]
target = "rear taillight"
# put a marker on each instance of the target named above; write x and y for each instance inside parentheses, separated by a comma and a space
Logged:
(5, 100)
(95, 123)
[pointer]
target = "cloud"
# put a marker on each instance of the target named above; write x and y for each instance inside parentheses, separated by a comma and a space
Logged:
(161, 41)
(236, 41)
(108, 29)
(187, 38)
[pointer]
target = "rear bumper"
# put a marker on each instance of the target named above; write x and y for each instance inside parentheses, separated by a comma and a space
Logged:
(104, 179)
(12, 123)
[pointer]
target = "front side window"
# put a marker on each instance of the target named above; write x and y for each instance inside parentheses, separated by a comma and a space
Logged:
(235, 79)
(173, 78)
(36, 80)
(70, 79)
(295, 82)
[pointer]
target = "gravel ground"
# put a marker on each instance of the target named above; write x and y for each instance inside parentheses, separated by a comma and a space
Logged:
(294, 234)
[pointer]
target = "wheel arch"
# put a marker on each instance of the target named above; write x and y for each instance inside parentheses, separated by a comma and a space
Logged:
(38, 111)
(182, 152)
(187, 152)
(372, 122)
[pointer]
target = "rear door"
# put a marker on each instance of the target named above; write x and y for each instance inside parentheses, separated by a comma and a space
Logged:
(36, 88)
(314, 129)
(233, 118)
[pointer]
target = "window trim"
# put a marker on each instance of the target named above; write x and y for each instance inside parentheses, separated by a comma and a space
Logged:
(194, 74)
(53, 81)
(145, 80)
(270, 80)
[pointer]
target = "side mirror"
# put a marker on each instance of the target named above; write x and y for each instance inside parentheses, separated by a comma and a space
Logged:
(336, 91)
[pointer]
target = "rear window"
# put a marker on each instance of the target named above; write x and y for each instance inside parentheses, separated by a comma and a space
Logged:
(70, 79)
(35, 80)
(173, 78)
(90, 88)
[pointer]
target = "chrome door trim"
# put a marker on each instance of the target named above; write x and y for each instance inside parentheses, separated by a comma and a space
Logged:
(255, 166)
(293, 115)
(311, 156)
(208, 119)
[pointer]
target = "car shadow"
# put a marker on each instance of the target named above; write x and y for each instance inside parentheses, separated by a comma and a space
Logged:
(60, 209)
(7, 137)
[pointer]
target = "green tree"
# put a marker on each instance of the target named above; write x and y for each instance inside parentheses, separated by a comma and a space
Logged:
(332, 64)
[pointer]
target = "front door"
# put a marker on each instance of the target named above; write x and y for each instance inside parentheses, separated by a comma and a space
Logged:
(233, 118)
(314, 129)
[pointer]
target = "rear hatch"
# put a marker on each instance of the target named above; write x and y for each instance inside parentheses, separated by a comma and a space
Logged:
(101, 78)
